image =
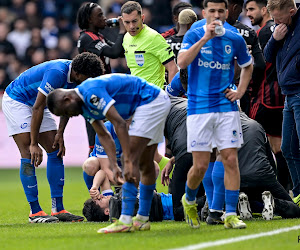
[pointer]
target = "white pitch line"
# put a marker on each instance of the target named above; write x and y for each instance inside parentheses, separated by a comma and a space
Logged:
(236, 239)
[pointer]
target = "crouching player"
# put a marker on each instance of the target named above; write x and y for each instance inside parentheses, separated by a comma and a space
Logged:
(118, 97)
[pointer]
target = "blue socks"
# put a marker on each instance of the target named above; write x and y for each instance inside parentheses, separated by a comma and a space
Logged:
(146, 195)
(208, 184)
(88, 180)
(29, 182)
(219, 187)
(231, 200)
(56, 175)
(129, 193)
(191, 193)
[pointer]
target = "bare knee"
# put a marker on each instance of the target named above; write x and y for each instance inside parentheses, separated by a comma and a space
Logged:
(230, 162)
(199, 170)
(91, 166)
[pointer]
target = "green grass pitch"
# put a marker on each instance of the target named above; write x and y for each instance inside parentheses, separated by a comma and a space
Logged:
(17, 233)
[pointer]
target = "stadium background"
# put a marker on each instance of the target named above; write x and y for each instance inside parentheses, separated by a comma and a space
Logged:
(34, 31)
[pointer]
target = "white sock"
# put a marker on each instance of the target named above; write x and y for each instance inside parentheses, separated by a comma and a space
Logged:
(214, 210)
(142, 218)
(127, 219)
(228, 214)
(190, 202)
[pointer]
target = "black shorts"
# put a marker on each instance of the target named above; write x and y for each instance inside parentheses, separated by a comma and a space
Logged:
(270, 119)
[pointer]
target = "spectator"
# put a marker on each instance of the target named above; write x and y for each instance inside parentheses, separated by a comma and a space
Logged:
(284, 48)
(20, 37)
(17, 8)
(50, 32)
(32, 15)
(267, 105)
(37, 42)
(65, 47)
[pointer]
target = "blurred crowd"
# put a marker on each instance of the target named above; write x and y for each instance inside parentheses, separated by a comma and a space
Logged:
(34, 31)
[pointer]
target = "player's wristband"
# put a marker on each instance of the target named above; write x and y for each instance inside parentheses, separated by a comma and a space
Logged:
(91, 147)
(163, 162)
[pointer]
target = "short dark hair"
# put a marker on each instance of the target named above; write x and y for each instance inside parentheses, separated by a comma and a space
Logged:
(52, 101)
(131, 6)
(84, 14)
(184, 78)
(260, 3)
(215, 1)
(88, 64)
(92, 212)
(175, 10)
(238, 2)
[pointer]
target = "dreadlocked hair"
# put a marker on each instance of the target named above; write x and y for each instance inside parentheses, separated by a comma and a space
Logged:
(84, 14)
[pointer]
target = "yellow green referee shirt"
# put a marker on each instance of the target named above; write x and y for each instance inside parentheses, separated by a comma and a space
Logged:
(146, 53)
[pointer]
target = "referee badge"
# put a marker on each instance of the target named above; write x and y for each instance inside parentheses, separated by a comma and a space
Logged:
(140, 60)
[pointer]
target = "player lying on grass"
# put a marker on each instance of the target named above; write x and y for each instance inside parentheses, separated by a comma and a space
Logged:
(107, 205)
(118, 97)
(30, 123)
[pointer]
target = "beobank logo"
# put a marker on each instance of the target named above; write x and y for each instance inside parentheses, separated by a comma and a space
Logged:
(214, 65)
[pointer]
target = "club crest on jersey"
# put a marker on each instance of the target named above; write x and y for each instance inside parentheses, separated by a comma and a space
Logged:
(140, 60)
(94, 100)
(228, 49)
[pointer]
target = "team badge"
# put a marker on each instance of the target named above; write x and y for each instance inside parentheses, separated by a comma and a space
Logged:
(234, 133)
(94, 100)
(228, 49)
(24, 125)
(140, 60)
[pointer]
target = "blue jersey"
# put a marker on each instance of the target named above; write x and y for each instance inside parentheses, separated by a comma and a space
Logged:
(212, 71)
(125, 92)
(175, 88)
(202, 22)
(44, 77)
(99, 150)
